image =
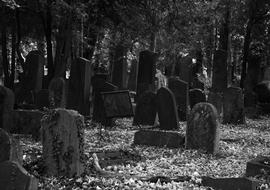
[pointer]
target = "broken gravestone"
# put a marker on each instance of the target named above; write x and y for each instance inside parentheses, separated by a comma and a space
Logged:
(62, 138)
(146, 109)
(10, 148)
(233, 106)
(57, 94)
(6, 106)
(167, 111)
(180, 90)
(196, 96)
(14, 176)
(203, 128)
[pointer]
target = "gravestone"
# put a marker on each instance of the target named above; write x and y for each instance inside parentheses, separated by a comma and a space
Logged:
(185, 69)
(258, 166)
(57, 94)
(119, 67)
(262, 91)
(79, 86)
(203, 128)
(168, 139)
(253, 72)
(233, 106)
(216, 99)
(62, 138)
(6, 106)
(180, 91)
(196, 96)
(133, 75)
(219, 79)
(167, 111)
(10, 148)
(14, 176)
(146, 72)
(146, 109)
(42, 99)
(266, 75)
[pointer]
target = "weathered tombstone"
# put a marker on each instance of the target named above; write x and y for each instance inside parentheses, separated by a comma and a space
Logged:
(263, 91)
(185, 69)
(266, 76)
(133, 76)
(62, 138)
(167, 111)
(203, 128)
(42, 99)
(180, 91)
(146, 72)
(233, 106)
(146, 110)
(100, 85)
(10, 148)
(219, 80)
(196, 96)
(6, 106)
(14, 176)
(26, 122)
(57, 93)
(119, 67)
(216, 99)
(79, 86)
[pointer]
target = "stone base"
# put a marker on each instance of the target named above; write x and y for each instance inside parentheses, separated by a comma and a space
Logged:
(257, 165)
(231, 183)
(169, 139)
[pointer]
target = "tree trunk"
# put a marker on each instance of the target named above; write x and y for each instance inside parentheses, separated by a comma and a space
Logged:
(13, 57)
(4, 55)
(18, 26)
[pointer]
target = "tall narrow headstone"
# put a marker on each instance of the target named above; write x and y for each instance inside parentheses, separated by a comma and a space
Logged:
(196, 96)
(233, 106)
(79, 86)
(62, 138)
(119, 67)
(180, 91)
(133, 76)
(146, 72)
(167, 111)
(57, 94)
(219, 80)
(6, 106)
(203, 128)
(146, 110)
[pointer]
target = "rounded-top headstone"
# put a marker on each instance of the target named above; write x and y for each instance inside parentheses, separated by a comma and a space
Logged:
(203, 128)
(196, 96)
(167, 111)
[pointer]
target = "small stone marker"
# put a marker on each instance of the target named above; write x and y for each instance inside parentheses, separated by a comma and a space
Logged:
(196, 96)
(233, 106)
(57, 93)
(10, 148)
(6, 106)
(167, 111)
(203, 128)
(169, 139)
(62, 139)
(180, 91)
(146, 109)
(258, 166)
(14, 176)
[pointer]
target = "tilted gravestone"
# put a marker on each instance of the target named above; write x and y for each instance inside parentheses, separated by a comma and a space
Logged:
(219, 71)
(79, 86)
(10, 148)
(146, 109)
(42, 99)
(14, 176)
(133, 76)
(57, 93)
(216, 99)
(119, 67)
(62, 138)
(167, 111)
(196, 96)
(233, 106)
(203, 128)
(146, 72)
(180, 91)
(6, 106)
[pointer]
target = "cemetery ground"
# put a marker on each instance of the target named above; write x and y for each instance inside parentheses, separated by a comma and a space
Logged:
(180, 168)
